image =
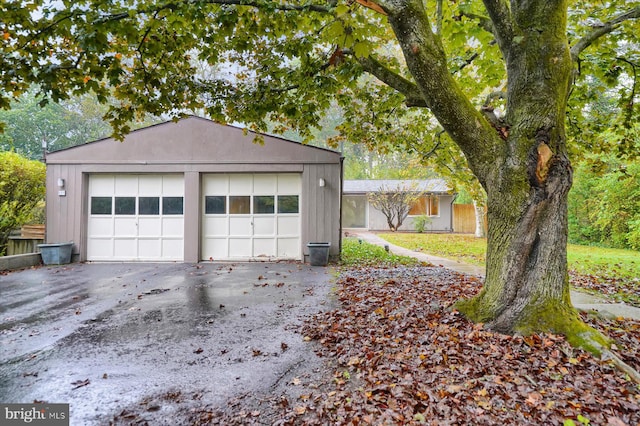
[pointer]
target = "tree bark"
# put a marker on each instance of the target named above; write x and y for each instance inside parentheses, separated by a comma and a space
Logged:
(479, 210)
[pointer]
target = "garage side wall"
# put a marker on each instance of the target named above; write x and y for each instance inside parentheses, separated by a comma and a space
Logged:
(65, 205)
(321, 206)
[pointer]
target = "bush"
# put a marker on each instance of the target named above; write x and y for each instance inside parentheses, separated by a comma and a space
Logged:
(22, 191)
(421, 222)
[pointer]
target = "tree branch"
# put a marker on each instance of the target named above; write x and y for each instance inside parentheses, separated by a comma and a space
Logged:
(502, 23)
(393, 80)
(606, 28)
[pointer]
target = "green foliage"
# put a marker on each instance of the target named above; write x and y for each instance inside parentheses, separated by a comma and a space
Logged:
(22, 189)
(360, 253)
(604, 205)
(421, 222)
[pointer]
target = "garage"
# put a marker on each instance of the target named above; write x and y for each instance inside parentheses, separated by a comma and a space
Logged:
(135, 217)
(193, 190)
(251, 216)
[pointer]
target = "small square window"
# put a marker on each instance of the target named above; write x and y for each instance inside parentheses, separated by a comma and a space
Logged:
(172, 205)
(215, 204)
(149, 205)
(263, 204)
(101, 205)
(239, 204)
(125, 206)
(288, 204)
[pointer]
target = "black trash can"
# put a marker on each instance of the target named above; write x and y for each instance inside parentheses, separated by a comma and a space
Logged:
(318, 253)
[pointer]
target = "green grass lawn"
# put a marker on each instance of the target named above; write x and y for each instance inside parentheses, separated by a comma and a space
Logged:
(612, 267)
(355, 253)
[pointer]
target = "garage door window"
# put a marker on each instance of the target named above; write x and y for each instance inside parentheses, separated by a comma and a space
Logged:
(101, 205)
(263, 204)
(215, 204)
(172, 205)
(149, 206)
(239, 204)
(288, 204)
(125, 206)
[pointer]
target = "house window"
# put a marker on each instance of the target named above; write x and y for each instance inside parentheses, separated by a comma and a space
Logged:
(149, 205)
(434, 204)
(215, 204)
(172, 205)
(354, 211)
(419, 207)
(426, 205)
(101, 205)
(288, 204)
(263, 204)
(125, 206)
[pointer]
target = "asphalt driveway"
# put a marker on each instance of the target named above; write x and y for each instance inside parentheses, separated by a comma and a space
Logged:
(147, 342)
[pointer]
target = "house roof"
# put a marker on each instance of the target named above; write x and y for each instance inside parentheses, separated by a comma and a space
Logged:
(364, 186)
(193, 140)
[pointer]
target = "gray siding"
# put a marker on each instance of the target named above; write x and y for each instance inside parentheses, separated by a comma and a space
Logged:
(321, 206)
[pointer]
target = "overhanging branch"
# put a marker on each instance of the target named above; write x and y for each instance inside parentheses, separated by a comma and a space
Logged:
(602, 30)
(393, 80)
(501, 21)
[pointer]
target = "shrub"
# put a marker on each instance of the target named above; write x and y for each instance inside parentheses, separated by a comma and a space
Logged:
(22, 190)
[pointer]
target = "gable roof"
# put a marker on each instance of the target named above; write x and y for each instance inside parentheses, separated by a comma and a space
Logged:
(189, 141)
(433, 186)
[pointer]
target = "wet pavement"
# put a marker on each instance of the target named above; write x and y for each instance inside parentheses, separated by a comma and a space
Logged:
(159, 337)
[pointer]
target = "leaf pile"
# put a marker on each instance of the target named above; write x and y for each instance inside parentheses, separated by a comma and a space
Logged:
(404, 357)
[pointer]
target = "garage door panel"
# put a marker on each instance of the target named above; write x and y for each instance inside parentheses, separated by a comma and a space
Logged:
(125, 227)
(239, 226)
(125, 248)
(149, 227)
(149, 186)
(239, 247)
(288, 247)
(265, 184)
(240, 184)
(217, 248)
(172, 226)
(172, 249)
(150, 248)
(100, 227)
(264, 247)
(289, 184)
(215, 226)
(101, 248)
(264, 226)
(126, 185)
(172, 185)
(215, 184)
(101, 185)
(288, 225)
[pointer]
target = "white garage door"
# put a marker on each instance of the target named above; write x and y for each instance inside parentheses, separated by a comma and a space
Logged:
(249, 216)
(136, 217)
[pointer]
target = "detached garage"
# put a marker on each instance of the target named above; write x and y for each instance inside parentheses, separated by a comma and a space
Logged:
(193, 190)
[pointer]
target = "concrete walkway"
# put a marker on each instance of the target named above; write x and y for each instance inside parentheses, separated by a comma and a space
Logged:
(581, 300)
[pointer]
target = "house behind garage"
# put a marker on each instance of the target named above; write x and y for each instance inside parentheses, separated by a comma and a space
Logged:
(435, 202)
(193, 190)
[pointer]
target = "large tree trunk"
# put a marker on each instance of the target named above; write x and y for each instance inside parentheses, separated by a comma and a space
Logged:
(521, 161)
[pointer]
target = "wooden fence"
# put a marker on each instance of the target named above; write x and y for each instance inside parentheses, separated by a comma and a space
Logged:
(464, 219)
